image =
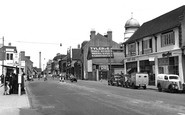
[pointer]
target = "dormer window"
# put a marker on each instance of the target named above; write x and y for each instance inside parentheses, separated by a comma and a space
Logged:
(167, 39)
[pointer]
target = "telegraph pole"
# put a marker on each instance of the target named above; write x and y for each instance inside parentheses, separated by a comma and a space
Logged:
(3, 65)
(19, 76)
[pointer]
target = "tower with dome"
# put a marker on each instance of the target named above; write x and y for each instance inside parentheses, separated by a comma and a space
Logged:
(130, 27)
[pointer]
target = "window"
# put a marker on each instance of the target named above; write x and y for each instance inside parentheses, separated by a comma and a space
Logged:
(147, 46)
(132, 49)
(9, 56)
(167, 39)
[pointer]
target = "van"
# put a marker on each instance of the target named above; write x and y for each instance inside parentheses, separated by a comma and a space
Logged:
(169, 82)
(139, 80)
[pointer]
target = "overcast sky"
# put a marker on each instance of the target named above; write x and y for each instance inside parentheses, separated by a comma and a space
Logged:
(41, 25)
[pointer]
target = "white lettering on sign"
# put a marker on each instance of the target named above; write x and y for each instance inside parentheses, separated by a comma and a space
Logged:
(10, 50)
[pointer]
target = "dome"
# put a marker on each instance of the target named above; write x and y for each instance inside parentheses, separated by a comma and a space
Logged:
(132, 23)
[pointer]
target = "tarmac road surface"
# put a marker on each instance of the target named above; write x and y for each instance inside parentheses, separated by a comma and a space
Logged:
(52, 97)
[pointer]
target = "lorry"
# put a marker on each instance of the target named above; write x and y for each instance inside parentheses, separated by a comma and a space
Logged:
(138, 80)
(169, 82)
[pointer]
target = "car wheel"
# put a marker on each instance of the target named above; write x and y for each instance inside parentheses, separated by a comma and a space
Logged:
(144, 87)
(159, 88)
(171, 89)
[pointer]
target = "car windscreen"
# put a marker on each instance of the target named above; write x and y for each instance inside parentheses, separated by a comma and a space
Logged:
(173, 77)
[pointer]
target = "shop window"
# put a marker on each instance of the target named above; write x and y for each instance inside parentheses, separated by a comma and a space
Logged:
(161, 70)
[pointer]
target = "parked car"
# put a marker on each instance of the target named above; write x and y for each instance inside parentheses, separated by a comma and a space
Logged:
(116, 80)
(169, 82)
(139, 80)
(73, 78)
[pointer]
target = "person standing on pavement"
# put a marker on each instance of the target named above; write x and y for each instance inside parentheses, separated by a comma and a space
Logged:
(2, 80)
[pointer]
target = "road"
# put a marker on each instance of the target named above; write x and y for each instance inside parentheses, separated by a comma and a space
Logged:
(52, 97)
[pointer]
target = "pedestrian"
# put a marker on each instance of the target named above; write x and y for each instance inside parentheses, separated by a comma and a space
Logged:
(2, 80)
(7, 88)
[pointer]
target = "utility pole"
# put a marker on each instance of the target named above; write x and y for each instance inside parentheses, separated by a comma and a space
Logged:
(3, 64)
(19, 76)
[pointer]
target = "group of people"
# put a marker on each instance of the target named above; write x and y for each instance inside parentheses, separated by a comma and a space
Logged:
(10, 83)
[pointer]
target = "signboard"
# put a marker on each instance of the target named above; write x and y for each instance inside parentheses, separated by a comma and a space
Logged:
(101, 52)
(89, 65)
(16, 59)
(103, 67)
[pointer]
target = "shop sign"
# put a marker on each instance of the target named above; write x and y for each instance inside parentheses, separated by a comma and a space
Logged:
(89, 65)
(104, 67)
(167, 54)
(131, 59)
(101, 52)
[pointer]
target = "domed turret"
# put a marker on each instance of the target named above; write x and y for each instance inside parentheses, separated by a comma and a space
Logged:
(132, 23)
(130, 27)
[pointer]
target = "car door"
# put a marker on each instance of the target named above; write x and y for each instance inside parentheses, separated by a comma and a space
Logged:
(166, 82)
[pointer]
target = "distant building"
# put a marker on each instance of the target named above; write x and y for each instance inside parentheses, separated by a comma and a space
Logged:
(101, 56)
(8, 59)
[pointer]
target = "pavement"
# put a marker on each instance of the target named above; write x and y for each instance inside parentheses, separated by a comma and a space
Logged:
(11, 104)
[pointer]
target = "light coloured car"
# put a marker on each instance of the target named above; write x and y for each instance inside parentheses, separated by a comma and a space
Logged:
(169, 82)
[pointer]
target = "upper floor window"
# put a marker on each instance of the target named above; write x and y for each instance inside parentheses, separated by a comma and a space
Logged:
(132, 49)
(147, 46)
(167, 39)
(9, 56)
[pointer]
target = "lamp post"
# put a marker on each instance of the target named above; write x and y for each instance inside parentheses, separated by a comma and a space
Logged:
(19, 76)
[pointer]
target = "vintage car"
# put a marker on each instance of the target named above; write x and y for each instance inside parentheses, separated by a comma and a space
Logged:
(169, 82)
(116, 80)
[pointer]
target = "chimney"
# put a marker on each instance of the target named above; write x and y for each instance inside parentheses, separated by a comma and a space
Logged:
(78, 46)
(93, 32)
(109, 35)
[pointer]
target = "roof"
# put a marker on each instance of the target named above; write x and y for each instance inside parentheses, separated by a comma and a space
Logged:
(76, 54)
(60, 56)
(132, 23)
(164, 22)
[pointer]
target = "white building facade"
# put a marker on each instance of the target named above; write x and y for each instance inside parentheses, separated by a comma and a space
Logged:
(158, 46)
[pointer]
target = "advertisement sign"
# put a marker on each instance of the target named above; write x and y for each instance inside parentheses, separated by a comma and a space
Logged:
(101, 52)
(16, 59)
(89, 65)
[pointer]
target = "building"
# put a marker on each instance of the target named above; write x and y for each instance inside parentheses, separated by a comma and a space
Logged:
(9, 59)
(77, 62)
(131, 27)
(57, 64)
(158, 46)
(101, 56)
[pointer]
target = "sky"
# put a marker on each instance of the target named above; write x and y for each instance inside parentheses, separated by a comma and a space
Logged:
(37, 26)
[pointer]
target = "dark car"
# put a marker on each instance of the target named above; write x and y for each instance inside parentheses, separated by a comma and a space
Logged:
(73, 78)
(116, 80)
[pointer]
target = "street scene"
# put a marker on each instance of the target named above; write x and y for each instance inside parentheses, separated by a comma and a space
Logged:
(92, 57)
(98, 98)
